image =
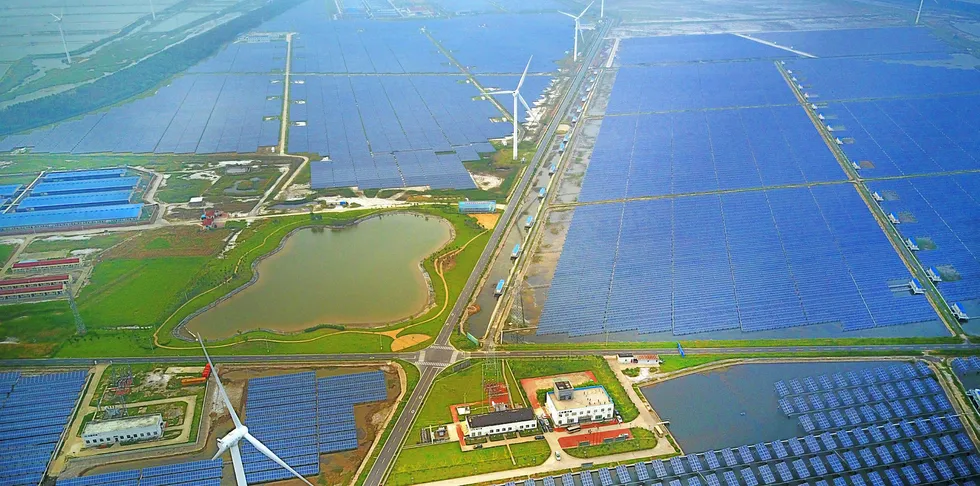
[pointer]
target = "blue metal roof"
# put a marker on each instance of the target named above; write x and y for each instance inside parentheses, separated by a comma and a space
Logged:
(74, 200)
(83, 174)
(69, 216)
(8, 189)
(94, 185)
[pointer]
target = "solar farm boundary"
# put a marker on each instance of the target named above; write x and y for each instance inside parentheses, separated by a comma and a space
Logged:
(936, 300)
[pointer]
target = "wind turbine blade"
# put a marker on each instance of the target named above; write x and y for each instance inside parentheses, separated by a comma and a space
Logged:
(521, 82)
(56, 18)
(521, 98)
(221, 388)
(563, 13)
(265, 451)
(510, 92)
(586, 9)
(581, 35)
(236, 462)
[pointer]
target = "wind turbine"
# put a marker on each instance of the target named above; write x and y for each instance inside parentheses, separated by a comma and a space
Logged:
(602, 9)
(57, 20)
(231, 440)
(578, 29)
(153, 10)
(918, 13)
(516, 93)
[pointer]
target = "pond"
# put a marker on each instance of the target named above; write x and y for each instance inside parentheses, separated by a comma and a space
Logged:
(366, 274)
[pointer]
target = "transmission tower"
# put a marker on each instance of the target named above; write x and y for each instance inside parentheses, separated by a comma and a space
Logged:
(494, 384)
(79, 323)
(112, 402)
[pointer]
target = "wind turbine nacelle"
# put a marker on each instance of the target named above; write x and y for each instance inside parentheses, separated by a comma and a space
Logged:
(231, 439)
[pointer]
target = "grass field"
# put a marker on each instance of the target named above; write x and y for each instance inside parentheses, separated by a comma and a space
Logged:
(39, 329)
(642, 439)
(180, 189)
(528, 368)
(5, 253)
(136, 292)
(447, 461)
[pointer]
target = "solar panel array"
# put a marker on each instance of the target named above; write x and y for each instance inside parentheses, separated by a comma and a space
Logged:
(34, 411)
(962, 366)
(693, 48)
(910, 136)
(194, 114)
(861, 78)
(940, 213)
(299, 416)
(485, 43)
(858, 42)
(246, 57)
(76, 197)
(897, 452)
(695, 86)
(686, 152)
(198, 473)
(753, 261)
(388, 130)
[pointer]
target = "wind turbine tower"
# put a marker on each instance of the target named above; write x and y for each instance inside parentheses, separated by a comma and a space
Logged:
(578, 30)
(57, 20)
(153, 11)
(602, 9)
(231, 440)
(516, 93)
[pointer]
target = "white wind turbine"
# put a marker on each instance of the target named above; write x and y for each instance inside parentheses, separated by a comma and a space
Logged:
(57, 20)
(516, 93)
(578, 29)
(153, 11)
(231, 440)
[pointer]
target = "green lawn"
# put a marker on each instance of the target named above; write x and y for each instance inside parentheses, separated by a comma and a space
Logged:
(642, 439)
(528, 368)
(136, 292)
(5, 252)
(179, 189)
(446, 461)
(448, 389)
(39, 327)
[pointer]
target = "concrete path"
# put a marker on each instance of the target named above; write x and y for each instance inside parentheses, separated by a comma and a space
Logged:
(777, 46)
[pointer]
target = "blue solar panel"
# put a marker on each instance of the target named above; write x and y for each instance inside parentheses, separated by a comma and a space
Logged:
(783, 470)
(818, 466)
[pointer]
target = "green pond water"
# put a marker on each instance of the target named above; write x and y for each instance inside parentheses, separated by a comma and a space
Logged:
(365, 274)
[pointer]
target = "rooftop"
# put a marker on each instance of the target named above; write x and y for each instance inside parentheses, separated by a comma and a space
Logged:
(42, 263)
(589, 396)
(499, 418)
(31, 290)
(29, 280)
(108, 426)
(563, 385)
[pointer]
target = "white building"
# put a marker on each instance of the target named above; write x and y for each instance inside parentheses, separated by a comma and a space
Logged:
(500, 422)
(124, 430)
(589, 404)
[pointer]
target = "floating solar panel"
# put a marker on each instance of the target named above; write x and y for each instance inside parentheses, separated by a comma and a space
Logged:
(816, 402)
(891, 430)
(810, 384)
(954, 422)
(875, 479)
(658, 469)
(825, 382)
(693, 481)
(783, 471)
(806, 423)
(965, 443)
(831, 399)
(932, 385)
(918, 387)
(586, 478)
(730, 478)
(795, 446)
(779, 449)
(854, 379)
(876, 434)
(623, 474)
(927, 404)
(642, 473)
(901, 452)
(745, 454)
(605, 479)
(801, 470)
(868, 414)
(868, 457)
(860, 437)
(549, 481)
(694, 463)
(917, 449)
(928, 472)
(913, 407)
(677, 465)
(942, 403)
(818, 466)
(567, 479)
(860, 396)
(889, 391)
(851, 460)
(893, 477)
(828, 441)
(712, 459)
(944, 470)
(786, 407)
(749, 477)
(845, 397)
(712, 480)
(811, 443)
(729, 458)
(948, 444)
(932, 446)
(781, 389)
(835, 465)
(839, 380)
(763, 451)
(876, 393)
(923, 426)
(922, 368)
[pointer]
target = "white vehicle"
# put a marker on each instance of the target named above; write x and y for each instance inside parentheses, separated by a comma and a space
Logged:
(557, 455)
